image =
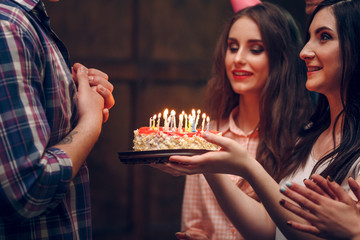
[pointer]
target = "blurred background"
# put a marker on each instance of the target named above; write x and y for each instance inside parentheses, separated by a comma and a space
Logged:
(158, 54)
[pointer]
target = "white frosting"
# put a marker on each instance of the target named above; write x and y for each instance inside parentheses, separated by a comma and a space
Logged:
(162, 141)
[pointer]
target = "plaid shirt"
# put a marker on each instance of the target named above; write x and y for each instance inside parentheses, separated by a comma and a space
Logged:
(38, 198)
(201, 211)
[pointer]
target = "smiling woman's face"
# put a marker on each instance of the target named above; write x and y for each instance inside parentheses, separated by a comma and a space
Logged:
(246, 59)
(322, 54)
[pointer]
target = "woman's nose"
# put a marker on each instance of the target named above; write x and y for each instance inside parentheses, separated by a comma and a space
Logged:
(239, 58)
(307, 52)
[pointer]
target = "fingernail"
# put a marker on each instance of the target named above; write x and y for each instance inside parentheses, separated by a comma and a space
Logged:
(288, 184)
(304, 179)
(282, 189)
(282, 202)
(82, 69)
(91, 78)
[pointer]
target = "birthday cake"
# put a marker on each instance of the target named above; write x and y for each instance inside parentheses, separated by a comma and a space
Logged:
(172, 137)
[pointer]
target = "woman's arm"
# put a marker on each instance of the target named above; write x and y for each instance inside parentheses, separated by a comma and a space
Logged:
(234, 159)
(254, 222)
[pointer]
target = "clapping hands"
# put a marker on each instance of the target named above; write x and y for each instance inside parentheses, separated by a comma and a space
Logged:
(330, 212)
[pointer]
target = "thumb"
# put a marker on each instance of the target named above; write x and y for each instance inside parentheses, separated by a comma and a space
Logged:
(82, 77)
(221, 141)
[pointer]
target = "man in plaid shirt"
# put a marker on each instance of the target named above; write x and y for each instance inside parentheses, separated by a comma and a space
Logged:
(50, 118)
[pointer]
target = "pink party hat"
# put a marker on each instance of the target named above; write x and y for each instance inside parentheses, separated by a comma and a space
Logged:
(237, 5)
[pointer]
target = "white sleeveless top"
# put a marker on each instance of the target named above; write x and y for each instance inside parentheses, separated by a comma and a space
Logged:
(304, 173)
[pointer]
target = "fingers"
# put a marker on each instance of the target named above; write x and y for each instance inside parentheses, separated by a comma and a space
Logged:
(109, 100)
(99, 80)
(323, 184)
(91, 71)
(76, 66)
(297, 210)
(304, 227)
(177, 169)
(223, 142)
(210, 160)
(90, 103)
(355, 188)
(190, 160)
(82, 76)
(315, 187)
(106, 115)
(97, 72)
(340, 193)
(301, 195)
(96, 77)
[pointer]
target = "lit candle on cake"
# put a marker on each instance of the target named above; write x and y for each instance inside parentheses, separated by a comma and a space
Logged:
(166, 124)
(193, 127)
(189, 123)
(193, 113)
(203, 122)
(157, 138)
(158, 121)
(197, 118)
(154, 120)
(207, 124)
(173, 120)
(180, 122)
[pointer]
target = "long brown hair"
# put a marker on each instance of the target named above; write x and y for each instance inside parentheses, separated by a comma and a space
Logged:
(341, 159)
(285, 104)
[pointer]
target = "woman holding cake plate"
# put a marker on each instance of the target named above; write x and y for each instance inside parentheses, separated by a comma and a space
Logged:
(253, 96)
(328, 145)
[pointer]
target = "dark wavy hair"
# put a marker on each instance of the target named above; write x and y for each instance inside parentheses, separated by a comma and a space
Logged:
(285, 104)
(347, 15)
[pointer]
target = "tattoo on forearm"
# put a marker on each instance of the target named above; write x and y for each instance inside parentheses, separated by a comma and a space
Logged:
(69, 138)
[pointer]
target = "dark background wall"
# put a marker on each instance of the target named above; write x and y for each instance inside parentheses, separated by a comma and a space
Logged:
(158, 54)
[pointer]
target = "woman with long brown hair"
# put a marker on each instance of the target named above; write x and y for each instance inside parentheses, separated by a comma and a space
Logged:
(328, 145)
(253, 97)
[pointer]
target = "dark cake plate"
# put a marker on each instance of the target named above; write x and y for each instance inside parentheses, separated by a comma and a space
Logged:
(156, 156)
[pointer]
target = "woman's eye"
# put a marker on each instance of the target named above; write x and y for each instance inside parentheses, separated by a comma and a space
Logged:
(233, 47)
(325, 37)
(257, 49)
